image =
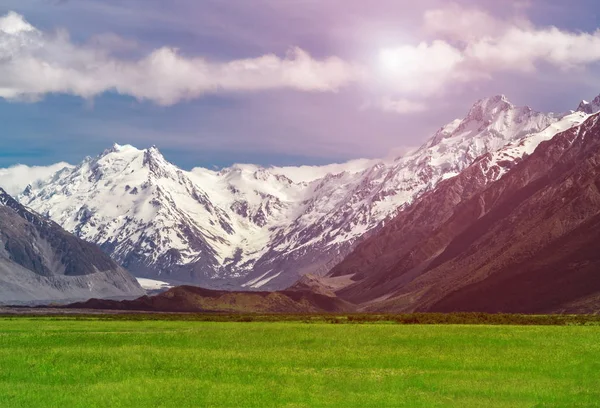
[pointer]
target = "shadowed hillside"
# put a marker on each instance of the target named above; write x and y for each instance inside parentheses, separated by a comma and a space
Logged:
(529, 242)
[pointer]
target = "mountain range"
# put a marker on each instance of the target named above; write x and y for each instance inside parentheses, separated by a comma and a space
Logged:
(384, 234)
(249, 227)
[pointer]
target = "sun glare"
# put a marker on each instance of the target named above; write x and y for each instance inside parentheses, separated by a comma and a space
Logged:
(390, 60)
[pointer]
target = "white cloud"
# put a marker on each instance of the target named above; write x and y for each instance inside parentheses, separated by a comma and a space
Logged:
(13, 23)
(523, 50)
(454, 22)
(14, 179)
(402, 106)
(33, 64)
(488, 44)
(166, 77)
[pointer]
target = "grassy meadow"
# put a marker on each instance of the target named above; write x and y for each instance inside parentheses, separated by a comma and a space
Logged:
(64, 362)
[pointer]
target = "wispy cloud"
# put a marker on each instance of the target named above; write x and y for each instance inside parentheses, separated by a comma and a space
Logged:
(402, 106)
(395, 105)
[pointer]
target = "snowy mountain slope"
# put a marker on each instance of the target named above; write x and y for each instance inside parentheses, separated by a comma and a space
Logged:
(253, 227)
(153, 285)
(14, 179)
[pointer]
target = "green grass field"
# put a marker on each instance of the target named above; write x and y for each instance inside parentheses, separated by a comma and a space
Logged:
(118, 363)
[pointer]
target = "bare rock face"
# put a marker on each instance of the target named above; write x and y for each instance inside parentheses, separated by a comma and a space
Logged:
(39, 261)
(528, 242)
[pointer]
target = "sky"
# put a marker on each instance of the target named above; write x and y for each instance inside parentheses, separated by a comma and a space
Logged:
(276, 82)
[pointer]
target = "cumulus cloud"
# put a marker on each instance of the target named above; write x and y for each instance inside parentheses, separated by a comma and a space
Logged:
(522, 50)
(33, 64)
(488, 44)
(13, 23)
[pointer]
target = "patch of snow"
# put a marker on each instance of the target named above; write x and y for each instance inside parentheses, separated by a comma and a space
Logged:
(151, 284)
(253, 281)
(263, 282)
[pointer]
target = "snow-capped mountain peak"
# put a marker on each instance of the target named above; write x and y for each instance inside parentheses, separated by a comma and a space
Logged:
(487, 109)
(121, 160)
(119, 148)
(489, 124)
